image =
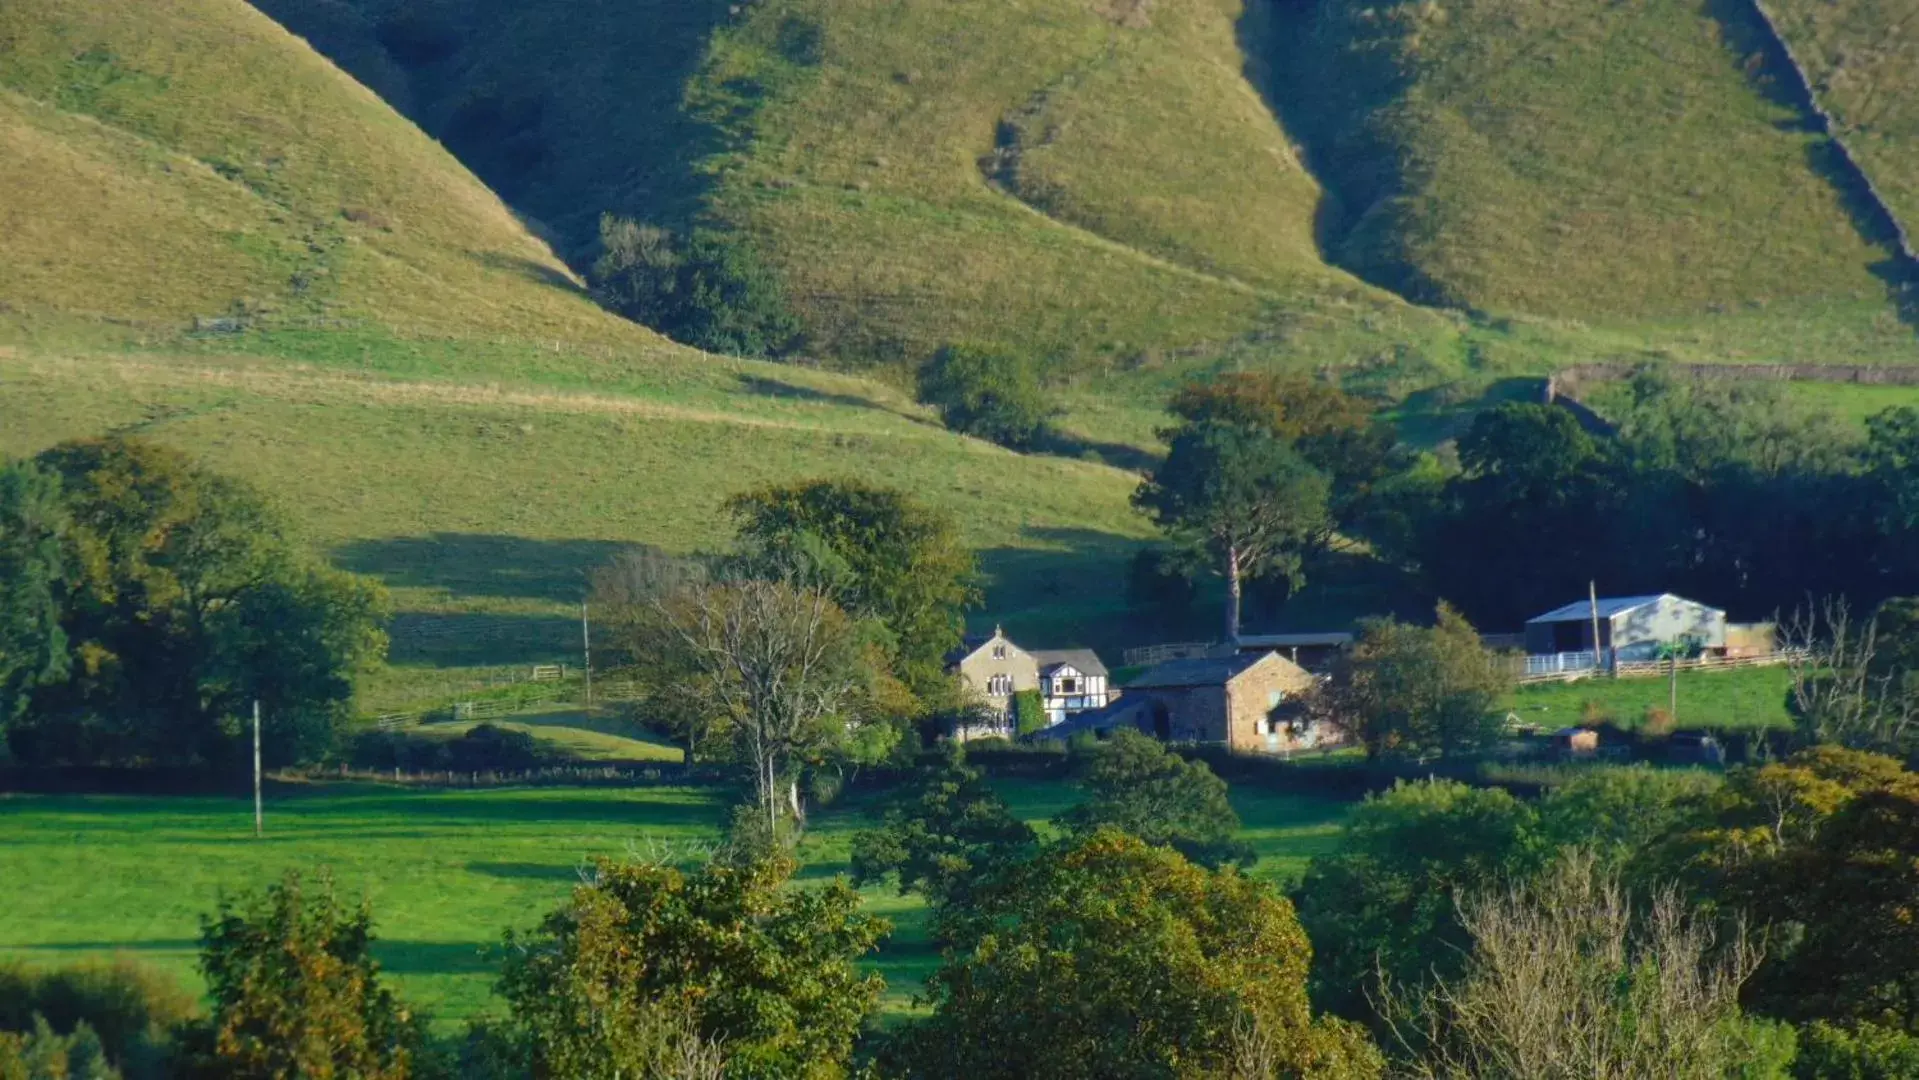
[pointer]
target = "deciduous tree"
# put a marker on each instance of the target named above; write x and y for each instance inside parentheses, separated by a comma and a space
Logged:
(987, 393)
(647, 966)
(1418, 692)
(296, 994)
(1110, 957)
(1135, 784)
(905, 564)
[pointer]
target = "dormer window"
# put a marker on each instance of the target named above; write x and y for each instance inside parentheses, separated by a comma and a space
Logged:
(999, 652)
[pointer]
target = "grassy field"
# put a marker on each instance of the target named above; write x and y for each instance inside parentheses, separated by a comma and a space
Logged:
(1738, 698)
(446, 872)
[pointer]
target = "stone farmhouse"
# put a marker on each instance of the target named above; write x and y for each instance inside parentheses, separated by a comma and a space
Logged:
(993, 669)
(1246, 702)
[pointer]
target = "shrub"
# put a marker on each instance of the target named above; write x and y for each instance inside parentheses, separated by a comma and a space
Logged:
(296, 992)
(1864, 1052)
(129, 1009)
(706, 290)
(995, 396)
(44, 1054)
(1029, 712)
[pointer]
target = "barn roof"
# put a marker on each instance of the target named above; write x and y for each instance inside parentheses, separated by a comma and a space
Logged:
(1609, 606)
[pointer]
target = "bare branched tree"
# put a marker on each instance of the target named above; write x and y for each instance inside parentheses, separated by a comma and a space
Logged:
(1566, 981)
(777, 662)
(1841, 693)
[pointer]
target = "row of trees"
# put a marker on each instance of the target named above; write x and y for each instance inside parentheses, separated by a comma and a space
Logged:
(146, 603)
(1632, 923)
(1767, 909)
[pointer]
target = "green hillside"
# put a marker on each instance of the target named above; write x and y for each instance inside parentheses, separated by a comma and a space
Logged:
(1125, 182)
(1863, 56)
(177, 159)
(1641, 161)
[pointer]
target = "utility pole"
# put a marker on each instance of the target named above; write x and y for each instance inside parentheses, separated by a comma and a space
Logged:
(586, 654)
(1672, 689)
(259, 814)
(1592, 596)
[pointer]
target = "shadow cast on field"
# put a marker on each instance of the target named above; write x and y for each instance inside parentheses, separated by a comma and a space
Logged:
(526, 871)
(623, 814)
(436, 957)
(481, 564)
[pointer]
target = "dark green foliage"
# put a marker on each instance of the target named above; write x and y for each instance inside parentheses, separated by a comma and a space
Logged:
(1384, 902)
(295, 992)
(41, 1053)
(1417, 692)
(1241, 495)
(905, 565)
(1621, 815)
(1073, 946)
(1029, 712)
(707, 290)
(182, 602)
(34, 568)
(1160, 580)
(129, 1009)
(993, 395)
(125, 1009)
(1135, 784)
(481, 748)
(1860, 1052)
(946, 835)
(766, 973)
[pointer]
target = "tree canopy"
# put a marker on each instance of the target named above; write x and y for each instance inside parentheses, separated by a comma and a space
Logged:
(1413, 691)
(1135, 784)
(988, 393)
(1246, 498)
(905, 564)
(763, 974)
(1077, 941)
(177, 599)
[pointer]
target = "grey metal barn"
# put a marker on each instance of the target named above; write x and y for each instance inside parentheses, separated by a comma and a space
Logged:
(1630, 627)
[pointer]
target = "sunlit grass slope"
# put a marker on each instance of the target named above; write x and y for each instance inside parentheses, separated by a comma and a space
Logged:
(484, 502)
(174, 159)
(1643, 162)
(1863, 56)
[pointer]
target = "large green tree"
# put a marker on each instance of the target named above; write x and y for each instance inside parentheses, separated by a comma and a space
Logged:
(904, 563)
(34, 572)
(948, 833)
(1108, 957)
(182, 600)
(1824, 847)
(1385, 900)
(727, 957)
(1245, 497)
(1135, 784)
(1415, 691)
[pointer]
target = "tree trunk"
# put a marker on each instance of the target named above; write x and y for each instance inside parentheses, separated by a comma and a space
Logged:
(1232, 595)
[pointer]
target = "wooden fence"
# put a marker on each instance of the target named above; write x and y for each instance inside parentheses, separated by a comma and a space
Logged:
(1515, 667)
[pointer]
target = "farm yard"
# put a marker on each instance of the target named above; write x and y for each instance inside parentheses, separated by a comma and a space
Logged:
(446, 872)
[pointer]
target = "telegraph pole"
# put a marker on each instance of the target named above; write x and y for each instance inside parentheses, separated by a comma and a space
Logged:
(259, 814)
(1592, 596)
(586, 654)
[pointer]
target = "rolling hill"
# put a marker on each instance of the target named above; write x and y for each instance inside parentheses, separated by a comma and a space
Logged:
(182, 159)
(1129, 183)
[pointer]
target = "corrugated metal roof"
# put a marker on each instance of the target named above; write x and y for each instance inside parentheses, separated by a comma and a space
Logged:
(1609, 606)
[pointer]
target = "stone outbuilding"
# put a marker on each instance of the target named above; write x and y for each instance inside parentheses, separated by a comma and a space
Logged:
(1245, 702)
